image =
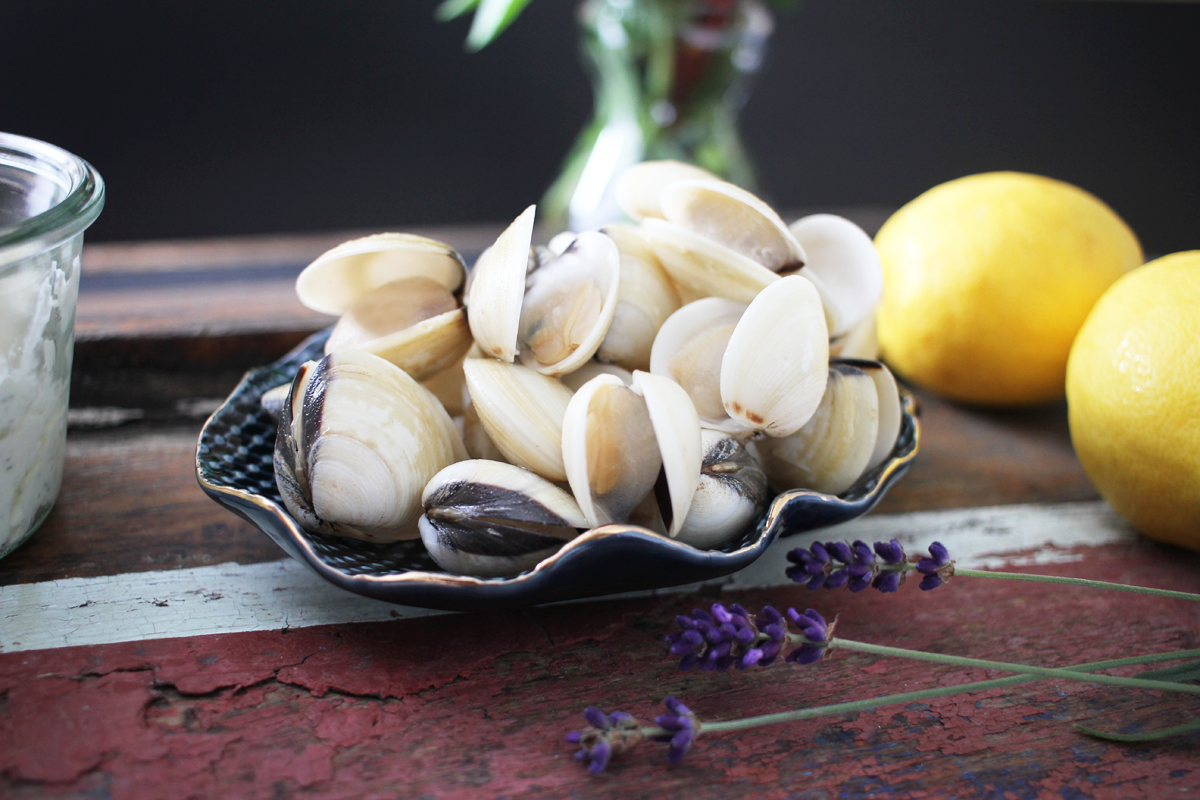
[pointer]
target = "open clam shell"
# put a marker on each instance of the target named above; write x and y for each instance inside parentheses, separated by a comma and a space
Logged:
(609, 450)
(776, 363)
(704, 268)
(731, 216)
(689, 350)
(645, 299)
(497, 288)
(338, 277)
(492, 519)
(639, 187)
(568, 305)
(844, 265)
(522, 412)
(415, 323)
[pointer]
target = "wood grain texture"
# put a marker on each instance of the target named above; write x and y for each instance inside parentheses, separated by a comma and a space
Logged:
(130, 501)
(228, 598)
(464, 706)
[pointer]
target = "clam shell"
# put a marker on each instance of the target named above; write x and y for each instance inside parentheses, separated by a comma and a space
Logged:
(638, 188)
(890, 412)
(338, 277)
(492, 519)
(835, 446)
(844, 266)
(522, 411)
(731, 216)
(690, 348)
(365, 442)
(677, 431)
(701, 267)
(646, 297)
(569, 304)
(414, 323)
(730, 495)
(609, 450)
(497, 288)
(775, 367)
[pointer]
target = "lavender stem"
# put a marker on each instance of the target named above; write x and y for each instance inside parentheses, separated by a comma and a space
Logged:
(1045, 672)
(1120, 587)
(923, 694)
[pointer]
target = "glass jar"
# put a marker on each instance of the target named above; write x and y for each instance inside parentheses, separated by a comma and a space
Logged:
(669, 78)
(47, 198)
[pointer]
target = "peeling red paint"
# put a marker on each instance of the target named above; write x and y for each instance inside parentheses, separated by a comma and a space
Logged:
(470, 706)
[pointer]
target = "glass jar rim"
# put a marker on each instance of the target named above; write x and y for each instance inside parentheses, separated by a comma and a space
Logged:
(65, 219)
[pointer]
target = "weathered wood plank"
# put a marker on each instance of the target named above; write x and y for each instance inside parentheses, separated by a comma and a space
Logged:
(465, 706)
(154, 516)
(285, 594)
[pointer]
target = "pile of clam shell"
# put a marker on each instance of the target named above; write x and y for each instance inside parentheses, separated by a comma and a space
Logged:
(667, 374)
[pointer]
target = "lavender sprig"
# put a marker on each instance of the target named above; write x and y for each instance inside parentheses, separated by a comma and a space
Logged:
(856, 566)
(732, 636)
(609, 734)
(831, 565)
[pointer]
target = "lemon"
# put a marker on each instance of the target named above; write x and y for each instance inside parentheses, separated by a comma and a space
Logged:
(987, 279)
(1133, 398)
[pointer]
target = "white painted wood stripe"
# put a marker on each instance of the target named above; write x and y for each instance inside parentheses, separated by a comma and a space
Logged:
(230, 598)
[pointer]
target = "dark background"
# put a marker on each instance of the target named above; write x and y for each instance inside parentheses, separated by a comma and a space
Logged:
(264, 116)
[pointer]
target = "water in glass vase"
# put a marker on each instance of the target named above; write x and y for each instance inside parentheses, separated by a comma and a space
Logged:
(669, 77)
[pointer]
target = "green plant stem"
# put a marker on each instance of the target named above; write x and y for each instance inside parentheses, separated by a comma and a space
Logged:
(1045, 672)
(1120, 587)
(922, 694)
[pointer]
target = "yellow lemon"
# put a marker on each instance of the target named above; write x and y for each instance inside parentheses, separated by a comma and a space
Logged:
(987, 279)
(1133, 398)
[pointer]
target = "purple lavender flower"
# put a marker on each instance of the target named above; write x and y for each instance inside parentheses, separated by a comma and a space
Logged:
(605, 736)
(728, 637)
(816, 633)
(681, 727)
(890, 553)
(937, 567)
(811, 567)
(888, 582)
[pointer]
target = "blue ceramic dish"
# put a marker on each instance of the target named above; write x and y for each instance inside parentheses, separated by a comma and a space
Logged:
(234, 466)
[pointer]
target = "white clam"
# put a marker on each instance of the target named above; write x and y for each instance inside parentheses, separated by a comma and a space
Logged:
(493, 519)
(568, 305)
(497, 287)
(775, 367)
(689, 349)
(834, 447)
(415, 323)
(890, 411)
(843, 264)
(639, 187)
(616, 439)
(701, 267)
(731, 494)
(337, 278)
(609, 450)
(731, 216)
(646, 298)
(357, 449)
(522, 412)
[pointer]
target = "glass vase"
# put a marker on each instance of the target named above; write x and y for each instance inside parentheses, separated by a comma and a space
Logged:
(669, 77)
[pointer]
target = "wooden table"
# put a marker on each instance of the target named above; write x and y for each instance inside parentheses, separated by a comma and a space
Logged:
(155, 645)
